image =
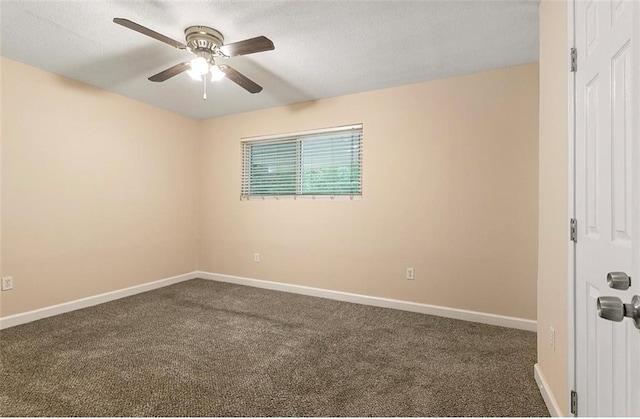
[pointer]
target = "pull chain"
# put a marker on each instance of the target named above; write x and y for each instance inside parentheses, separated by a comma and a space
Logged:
(204, 87)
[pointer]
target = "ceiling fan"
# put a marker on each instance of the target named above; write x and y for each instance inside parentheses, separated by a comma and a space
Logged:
(207, 44)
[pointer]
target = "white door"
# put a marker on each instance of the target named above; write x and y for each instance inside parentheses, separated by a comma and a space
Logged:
(607, 186)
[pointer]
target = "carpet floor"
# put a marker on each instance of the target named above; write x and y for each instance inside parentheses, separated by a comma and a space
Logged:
(202, 348)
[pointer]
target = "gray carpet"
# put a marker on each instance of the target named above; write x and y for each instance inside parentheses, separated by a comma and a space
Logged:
(202, 348)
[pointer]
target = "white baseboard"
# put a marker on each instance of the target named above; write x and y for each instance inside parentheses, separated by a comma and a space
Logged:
(454, 313)
(549, 399)
(29, 316)
(473, 316)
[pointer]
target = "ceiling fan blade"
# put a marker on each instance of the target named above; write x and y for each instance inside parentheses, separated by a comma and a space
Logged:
(170, 72)
(248, 46)
(146, 31)
(240, 79)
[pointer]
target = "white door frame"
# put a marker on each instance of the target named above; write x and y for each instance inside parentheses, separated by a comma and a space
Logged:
(571, 209)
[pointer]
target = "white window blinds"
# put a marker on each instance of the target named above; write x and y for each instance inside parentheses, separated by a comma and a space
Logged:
(323, 162)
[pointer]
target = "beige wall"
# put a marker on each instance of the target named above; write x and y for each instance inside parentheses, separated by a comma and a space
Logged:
(1, 131)
(450, 188)
(553, 224)
(99, 191)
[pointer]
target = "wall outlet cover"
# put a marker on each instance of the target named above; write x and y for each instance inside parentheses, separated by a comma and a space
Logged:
(411, 273)
(7, 283)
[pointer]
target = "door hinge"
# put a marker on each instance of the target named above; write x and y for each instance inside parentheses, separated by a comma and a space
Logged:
(574, 402)
(573, 230)
(574, 60)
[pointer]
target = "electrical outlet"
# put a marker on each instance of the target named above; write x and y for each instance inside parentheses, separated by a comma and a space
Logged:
(411, 273)
(552, 339)
(7, 283)
(256, 257)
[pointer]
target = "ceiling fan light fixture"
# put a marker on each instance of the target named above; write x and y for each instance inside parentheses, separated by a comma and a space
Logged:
(200, 66)
(195, 76)
(216, 73)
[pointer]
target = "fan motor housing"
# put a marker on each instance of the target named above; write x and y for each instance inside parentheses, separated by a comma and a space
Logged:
(203, 38)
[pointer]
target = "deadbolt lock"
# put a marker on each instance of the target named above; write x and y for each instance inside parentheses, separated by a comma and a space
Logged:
(618, 280)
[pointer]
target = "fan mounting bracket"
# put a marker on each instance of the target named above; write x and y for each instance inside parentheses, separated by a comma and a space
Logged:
(203, 38)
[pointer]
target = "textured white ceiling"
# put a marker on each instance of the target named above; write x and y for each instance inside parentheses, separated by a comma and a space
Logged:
(322, 48)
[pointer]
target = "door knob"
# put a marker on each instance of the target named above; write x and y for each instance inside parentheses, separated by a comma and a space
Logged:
(611, 308)
(618, 280)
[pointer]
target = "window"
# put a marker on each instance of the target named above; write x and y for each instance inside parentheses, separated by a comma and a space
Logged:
(323, 162)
